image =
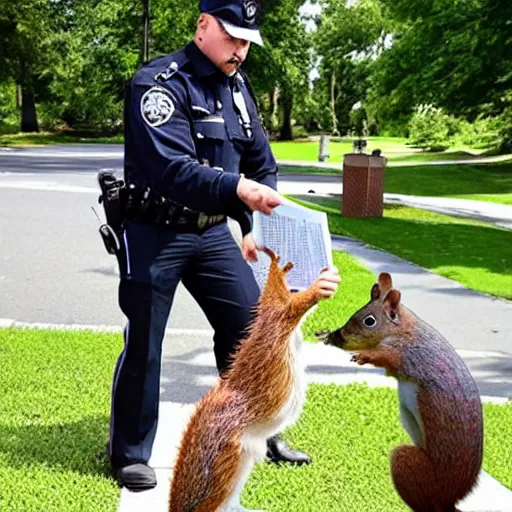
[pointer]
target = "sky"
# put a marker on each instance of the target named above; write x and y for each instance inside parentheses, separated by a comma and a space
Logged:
(309, 8)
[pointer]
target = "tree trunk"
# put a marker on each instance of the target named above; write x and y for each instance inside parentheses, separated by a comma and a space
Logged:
(28, 103)
(274, 97)
(28, 112)
(286, 127)
(333, 105)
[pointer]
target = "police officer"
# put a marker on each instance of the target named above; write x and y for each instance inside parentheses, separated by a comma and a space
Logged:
(195, 153)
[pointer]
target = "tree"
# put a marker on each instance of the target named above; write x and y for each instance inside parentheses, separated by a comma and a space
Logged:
(26, 52)
(347, 39)
(453, 54)
(279, 71)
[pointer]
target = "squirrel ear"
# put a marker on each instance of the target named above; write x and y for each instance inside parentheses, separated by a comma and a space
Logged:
(391, 303)
(385, 282)
(375, 293)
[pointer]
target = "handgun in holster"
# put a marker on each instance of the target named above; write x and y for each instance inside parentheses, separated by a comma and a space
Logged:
(112, 199)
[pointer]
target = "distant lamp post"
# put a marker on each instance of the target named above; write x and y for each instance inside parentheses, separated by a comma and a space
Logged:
(145, 48)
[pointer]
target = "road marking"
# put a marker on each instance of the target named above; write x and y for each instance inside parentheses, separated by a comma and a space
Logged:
(44, 154)
(9, 322)
(47, 187)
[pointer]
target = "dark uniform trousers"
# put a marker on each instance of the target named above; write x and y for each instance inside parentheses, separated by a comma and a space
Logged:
(154, 260)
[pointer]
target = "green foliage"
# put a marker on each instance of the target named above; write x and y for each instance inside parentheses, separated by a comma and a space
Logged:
(505, 124)
(349, 36)
(454, 54)
(279, 70)
(8, 106)
(75, 57)
(429, 128)
(482, 133)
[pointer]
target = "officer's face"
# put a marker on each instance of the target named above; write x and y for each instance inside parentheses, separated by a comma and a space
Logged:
(224, 50)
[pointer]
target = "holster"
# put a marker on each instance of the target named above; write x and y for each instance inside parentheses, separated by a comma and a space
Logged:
(112, 197)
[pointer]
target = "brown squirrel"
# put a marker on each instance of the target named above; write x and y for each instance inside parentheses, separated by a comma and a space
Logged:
(440, 405)
(261, 394)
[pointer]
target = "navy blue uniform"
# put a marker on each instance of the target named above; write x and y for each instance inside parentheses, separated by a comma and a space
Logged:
(187, 138)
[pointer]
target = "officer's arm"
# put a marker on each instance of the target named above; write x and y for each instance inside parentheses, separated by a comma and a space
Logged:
(167, 152)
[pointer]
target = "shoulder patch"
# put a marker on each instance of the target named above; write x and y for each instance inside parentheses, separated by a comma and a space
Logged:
(156, 106)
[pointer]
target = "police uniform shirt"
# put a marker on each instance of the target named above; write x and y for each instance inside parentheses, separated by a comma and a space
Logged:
(186, 139)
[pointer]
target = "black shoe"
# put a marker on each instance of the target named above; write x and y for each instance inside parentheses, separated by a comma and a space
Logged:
(136, 477)
(279, 451)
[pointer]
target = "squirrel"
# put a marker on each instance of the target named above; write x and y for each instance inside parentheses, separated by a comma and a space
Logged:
(261, 394)
(440, 405)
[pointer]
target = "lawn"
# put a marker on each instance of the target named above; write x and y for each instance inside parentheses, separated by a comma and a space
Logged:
(432, 156)
(54, 421)
(350, 431)
(394, 149)
(483, 182)
(308, 150)
(475, 254)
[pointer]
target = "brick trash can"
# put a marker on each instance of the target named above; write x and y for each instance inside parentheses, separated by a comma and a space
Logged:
(363, 185)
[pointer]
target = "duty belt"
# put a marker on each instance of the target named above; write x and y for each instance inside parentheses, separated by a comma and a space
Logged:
(144, 206)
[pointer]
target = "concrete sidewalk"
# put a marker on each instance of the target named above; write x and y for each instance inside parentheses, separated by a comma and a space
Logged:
(498, 214)
(494, 213)
(477, 325)
(338, 165)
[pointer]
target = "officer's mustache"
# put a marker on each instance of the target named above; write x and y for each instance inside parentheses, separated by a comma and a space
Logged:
(235, 61)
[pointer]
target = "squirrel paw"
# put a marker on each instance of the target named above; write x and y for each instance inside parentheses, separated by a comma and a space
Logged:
(360, 359)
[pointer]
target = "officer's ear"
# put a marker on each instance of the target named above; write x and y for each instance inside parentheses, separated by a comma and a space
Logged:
(202, 22)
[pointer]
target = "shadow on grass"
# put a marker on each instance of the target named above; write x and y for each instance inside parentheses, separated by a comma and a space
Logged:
(78, 446)
(437, 155)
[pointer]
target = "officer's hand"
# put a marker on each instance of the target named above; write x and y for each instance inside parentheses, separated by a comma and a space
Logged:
(256, 196)
(249, 251)
(327, 282)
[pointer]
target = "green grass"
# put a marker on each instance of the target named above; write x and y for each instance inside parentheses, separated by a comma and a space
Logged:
(43, 139)
(485, 182)
(308, 150)
(482, 182)
(394, 149)
(350, 431)
(353, 292)
(54, 421)
(455, 155)
(303, 169)
(475, 254)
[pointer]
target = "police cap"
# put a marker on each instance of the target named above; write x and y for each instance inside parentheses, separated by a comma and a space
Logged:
(238, 17)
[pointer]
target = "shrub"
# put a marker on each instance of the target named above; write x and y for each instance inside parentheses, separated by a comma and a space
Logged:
(505, 125)
(482, 133)
(430, 127)
(299, 132)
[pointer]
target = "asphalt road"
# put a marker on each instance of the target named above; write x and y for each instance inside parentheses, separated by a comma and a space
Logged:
(53, 267)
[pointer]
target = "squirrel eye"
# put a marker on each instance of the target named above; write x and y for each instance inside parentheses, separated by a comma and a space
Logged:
(370, 321)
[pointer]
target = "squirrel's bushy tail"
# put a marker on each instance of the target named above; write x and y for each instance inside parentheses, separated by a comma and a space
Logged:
(210, 457)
